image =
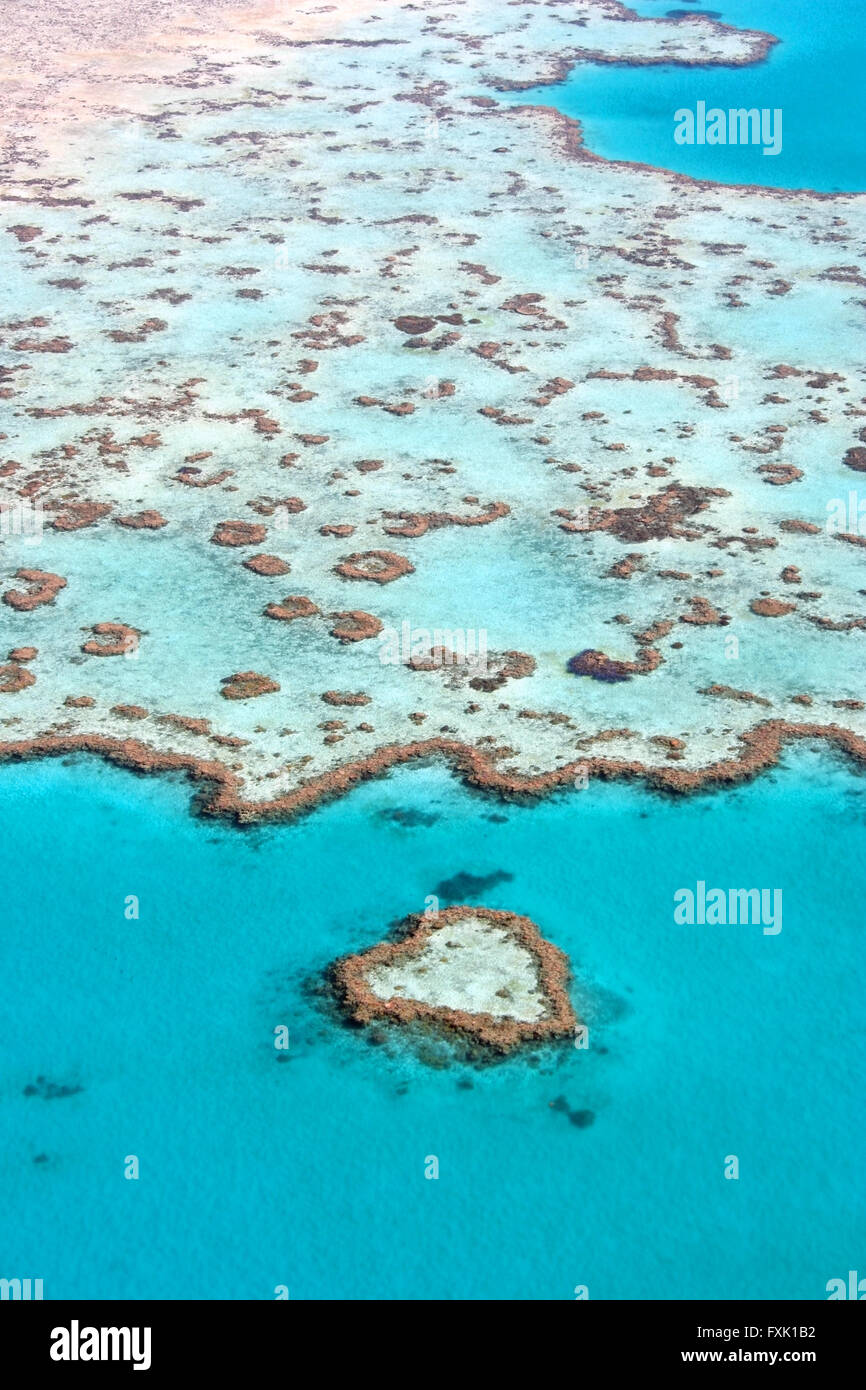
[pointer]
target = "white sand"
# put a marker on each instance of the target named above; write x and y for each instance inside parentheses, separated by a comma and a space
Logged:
(468, 965)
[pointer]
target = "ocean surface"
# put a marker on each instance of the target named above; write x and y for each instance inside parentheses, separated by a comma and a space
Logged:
(814, 75)
(147, 957)
(602, 1168)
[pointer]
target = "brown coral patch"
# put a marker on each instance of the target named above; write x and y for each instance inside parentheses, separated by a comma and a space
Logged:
(43, 345)
(780, 474)
(662, 627)
(414, 325)
(838, 624)
(79, 514)
(601, 667)
(44, 588)
(24, 232)
(233, 533)
(120, 640)
(729, 692)
(345, 697)
(187, 722)
(380, 566)
(620, 569)
(704, 614)
(349, 976)
(142, 521)
(664, 514)
(193, 477)
(247, 685)
(266, 565)
(771, 607)
(414, 524)
(436, 658)
(355, 625)
(760, 748)
(14, 678)
(502, 667)
(267, 506)
(487, 670)
(295, 606)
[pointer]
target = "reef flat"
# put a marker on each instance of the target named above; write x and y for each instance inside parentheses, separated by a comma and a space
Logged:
(313, 339)
(487, 976)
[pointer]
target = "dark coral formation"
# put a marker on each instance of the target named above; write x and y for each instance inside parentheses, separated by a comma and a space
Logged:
(44, 588)
(355, 625)
(345, 697)
(665, 514)
(111, 639)
(294, 606)
(77, 515)
(380, 566)
(234, 533)
(142, 521)
(247, 685)
(266, 565)
(608, 669)
(771, 607)
(14, 678)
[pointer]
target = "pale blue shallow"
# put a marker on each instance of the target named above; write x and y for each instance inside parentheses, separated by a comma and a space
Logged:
(706, 1042)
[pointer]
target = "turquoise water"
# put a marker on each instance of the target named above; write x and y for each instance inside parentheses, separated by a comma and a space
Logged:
(705, 1042)
(153, 1036)
(814, 74)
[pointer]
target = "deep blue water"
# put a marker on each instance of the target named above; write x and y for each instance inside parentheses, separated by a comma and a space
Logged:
(814, 75)
(705, 1042)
